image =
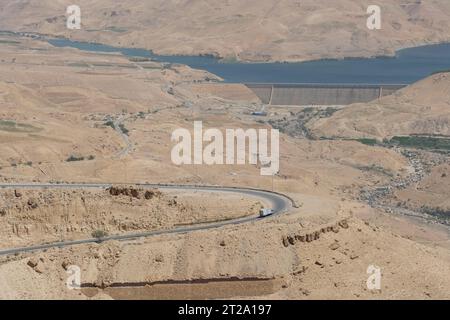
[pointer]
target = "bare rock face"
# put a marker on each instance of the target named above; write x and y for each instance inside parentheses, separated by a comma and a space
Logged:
(313, 236)
(133, 192)
(125, 191)
(32, 263)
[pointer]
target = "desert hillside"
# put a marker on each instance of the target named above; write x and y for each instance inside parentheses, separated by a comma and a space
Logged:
(71, 116)
(420, 109)
(256, 30)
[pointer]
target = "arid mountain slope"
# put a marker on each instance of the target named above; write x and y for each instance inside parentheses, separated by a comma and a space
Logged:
(257, 30)
(56, 102)
(35, 131)
(422, 108)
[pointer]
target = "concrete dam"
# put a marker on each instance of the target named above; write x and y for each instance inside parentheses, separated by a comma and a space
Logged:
(321, 94)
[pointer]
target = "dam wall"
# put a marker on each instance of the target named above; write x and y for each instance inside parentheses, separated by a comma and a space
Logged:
(320, 94)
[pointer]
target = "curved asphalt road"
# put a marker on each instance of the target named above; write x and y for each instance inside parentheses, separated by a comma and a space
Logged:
(279, 204)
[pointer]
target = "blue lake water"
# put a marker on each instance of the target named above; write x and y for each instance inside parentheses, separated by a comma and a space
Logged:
(408, 66)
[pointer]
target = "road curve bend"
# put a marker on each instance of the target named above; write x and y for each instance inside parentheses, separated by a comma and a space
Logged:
(279, 203)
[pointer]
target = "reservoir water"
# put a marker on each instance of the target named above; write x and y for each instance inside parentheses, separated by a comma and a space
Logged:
(408, 66)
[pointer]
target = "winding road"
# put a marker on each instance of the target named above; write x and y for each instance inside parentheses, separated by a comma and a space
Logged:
(279, 203)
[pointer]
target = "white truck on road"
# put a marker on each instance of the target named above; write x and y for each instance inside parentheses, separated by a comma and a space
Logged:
(265, 213)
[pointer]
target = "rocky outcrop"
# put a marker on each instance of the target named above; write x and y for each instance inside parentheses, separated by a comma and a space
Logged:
(133, 192)
(36, 265)
(292, 239)
(32, 262)
(150, 194)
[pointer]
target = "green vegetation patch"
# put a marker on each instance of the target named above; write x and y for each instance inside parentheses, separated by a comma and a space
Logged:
(12, 126)
(78, 64)
(432, 143)
(98, 234)
(443, 215)
(377, 169)
(422, 142)
(368, 141)
(9, 41)
(139, 59)
(296, 124)
(110, 123)
(124, 129)
(116, 29)
(151, 67)
(73, 158)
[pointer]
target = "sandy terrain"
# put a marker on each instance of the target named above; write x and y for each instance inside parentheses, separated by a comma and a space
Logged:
(256, 30)
(58, 108)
